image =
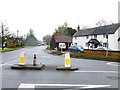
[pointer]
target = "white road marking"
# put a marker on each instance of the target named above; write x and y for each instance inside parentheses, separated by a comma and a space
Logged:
(98, 71)
(26, 85)
(7, 63)
(114, 63)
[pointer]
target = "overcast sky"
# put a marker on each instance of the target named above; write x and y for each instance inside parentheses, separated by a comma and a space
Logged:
(43, 16)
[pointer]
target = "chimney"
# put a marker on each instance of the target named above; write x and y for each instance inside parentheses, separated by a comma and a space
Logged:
(78, 28)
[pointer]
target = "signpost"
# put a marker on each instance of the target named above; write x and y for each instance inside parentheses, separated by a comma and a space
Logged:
(107, 45)
(67, 60)
(22, 58)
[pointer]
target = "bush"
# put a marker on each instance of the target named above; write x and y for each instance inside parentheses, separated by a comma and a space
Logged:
(11, 45)
(48, 47)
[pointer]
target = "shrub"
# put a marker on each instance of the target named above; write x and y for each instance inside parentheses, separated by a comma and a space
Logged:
(11, 45)
(48, 47)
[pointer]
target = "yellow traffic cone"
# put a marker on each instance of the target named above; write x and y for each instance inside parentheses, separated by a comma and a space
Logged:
(67, 60)
(22, 58)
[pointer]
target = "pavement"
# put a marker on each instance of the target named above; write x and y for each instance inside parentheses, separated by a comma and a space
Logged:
(91, 73)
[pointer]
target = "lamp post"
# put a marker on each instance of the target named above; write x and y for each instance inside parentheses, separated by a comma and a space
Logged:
(107, 45)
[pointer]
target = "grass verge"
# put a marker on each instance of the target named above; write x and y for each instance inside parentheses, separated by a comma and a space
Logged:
(11, 49)
(5, 50)
(56, 53)
(96, 56)
(112, 56)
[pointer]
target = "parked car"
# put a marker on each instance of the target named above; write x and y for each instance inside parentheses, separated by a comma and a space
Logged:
(76, 48)
(101, 48)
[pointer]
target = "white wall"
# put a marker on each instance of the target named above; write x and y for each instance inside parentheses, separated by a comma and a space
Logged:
(112, 40)
(83, 40)
(80, 41)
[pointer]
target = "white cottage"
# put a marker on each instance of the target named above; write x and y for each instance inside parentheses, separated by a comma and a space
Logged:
(99, 36)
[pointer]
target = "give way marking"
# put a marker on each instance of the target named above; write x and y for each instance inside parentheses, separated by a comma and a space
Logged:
(114, 63)
(22, 86)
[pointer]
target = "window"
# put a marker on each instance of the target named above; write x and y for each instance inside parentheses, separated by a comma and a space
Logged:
(75, 37)
(91, 36)
(75, 43)
(104, 36)
(87, 37)
(105, 44)
(95, 36)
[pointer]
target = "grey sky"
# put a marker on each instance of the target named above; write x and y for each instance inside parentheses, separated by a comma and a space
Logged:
(43, 16)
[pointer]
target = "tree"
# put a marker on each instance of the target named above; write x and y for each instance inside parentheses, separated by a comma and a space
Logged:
(69, 31)
(102, 22)
(31, 39)
(47, 39)
(4, 33)
(64, 30)
(61, 29)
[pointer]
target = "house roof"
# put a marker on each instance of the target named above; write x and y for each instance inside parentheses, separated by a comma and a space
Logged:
(102, 30)
(62, 38)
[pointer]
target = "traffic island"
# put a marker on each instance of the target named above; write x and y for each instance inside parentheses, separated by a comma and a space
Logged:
(28, 67)
(72, 68)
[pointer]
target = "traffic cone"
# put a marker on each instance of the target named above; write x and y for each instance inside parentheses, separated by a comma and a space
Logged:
(22, 58)
(67, 60)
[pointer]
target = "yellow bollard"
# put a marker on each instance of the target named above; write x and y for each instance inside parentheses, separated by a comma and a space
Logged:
(22, 58)
(67, 60)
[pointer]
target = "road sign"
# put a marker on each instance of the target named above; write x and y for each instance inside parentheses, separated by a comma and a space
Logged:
(22, 58)
(67, 60)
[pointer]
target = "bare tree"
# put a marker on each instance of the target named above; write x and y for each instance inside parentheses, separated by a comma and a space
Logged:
(47, 39)
(102, 22)
(4, 32)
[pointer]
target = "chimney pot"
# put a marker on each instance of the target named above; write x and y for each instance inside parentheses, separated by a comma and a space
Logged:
(78, 28)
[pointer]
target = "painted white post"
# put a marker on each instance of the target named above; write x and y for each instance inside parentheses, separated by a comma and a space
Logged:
(34, 60)
(67, 60)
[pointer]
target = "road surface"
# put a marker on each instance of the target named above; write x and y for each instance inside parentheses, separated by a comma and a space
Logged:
(91, 73)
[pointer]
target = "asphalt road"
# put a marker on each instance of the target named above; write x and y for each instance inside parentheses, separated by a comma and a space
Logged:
(91, 73)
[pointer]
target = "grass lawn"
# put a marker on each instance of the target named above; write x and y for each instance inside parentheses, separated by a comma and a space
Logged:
(11, 49)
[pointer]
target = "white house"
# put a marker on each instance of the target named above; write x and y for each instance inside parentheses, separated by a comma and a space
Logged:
(99, 36)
